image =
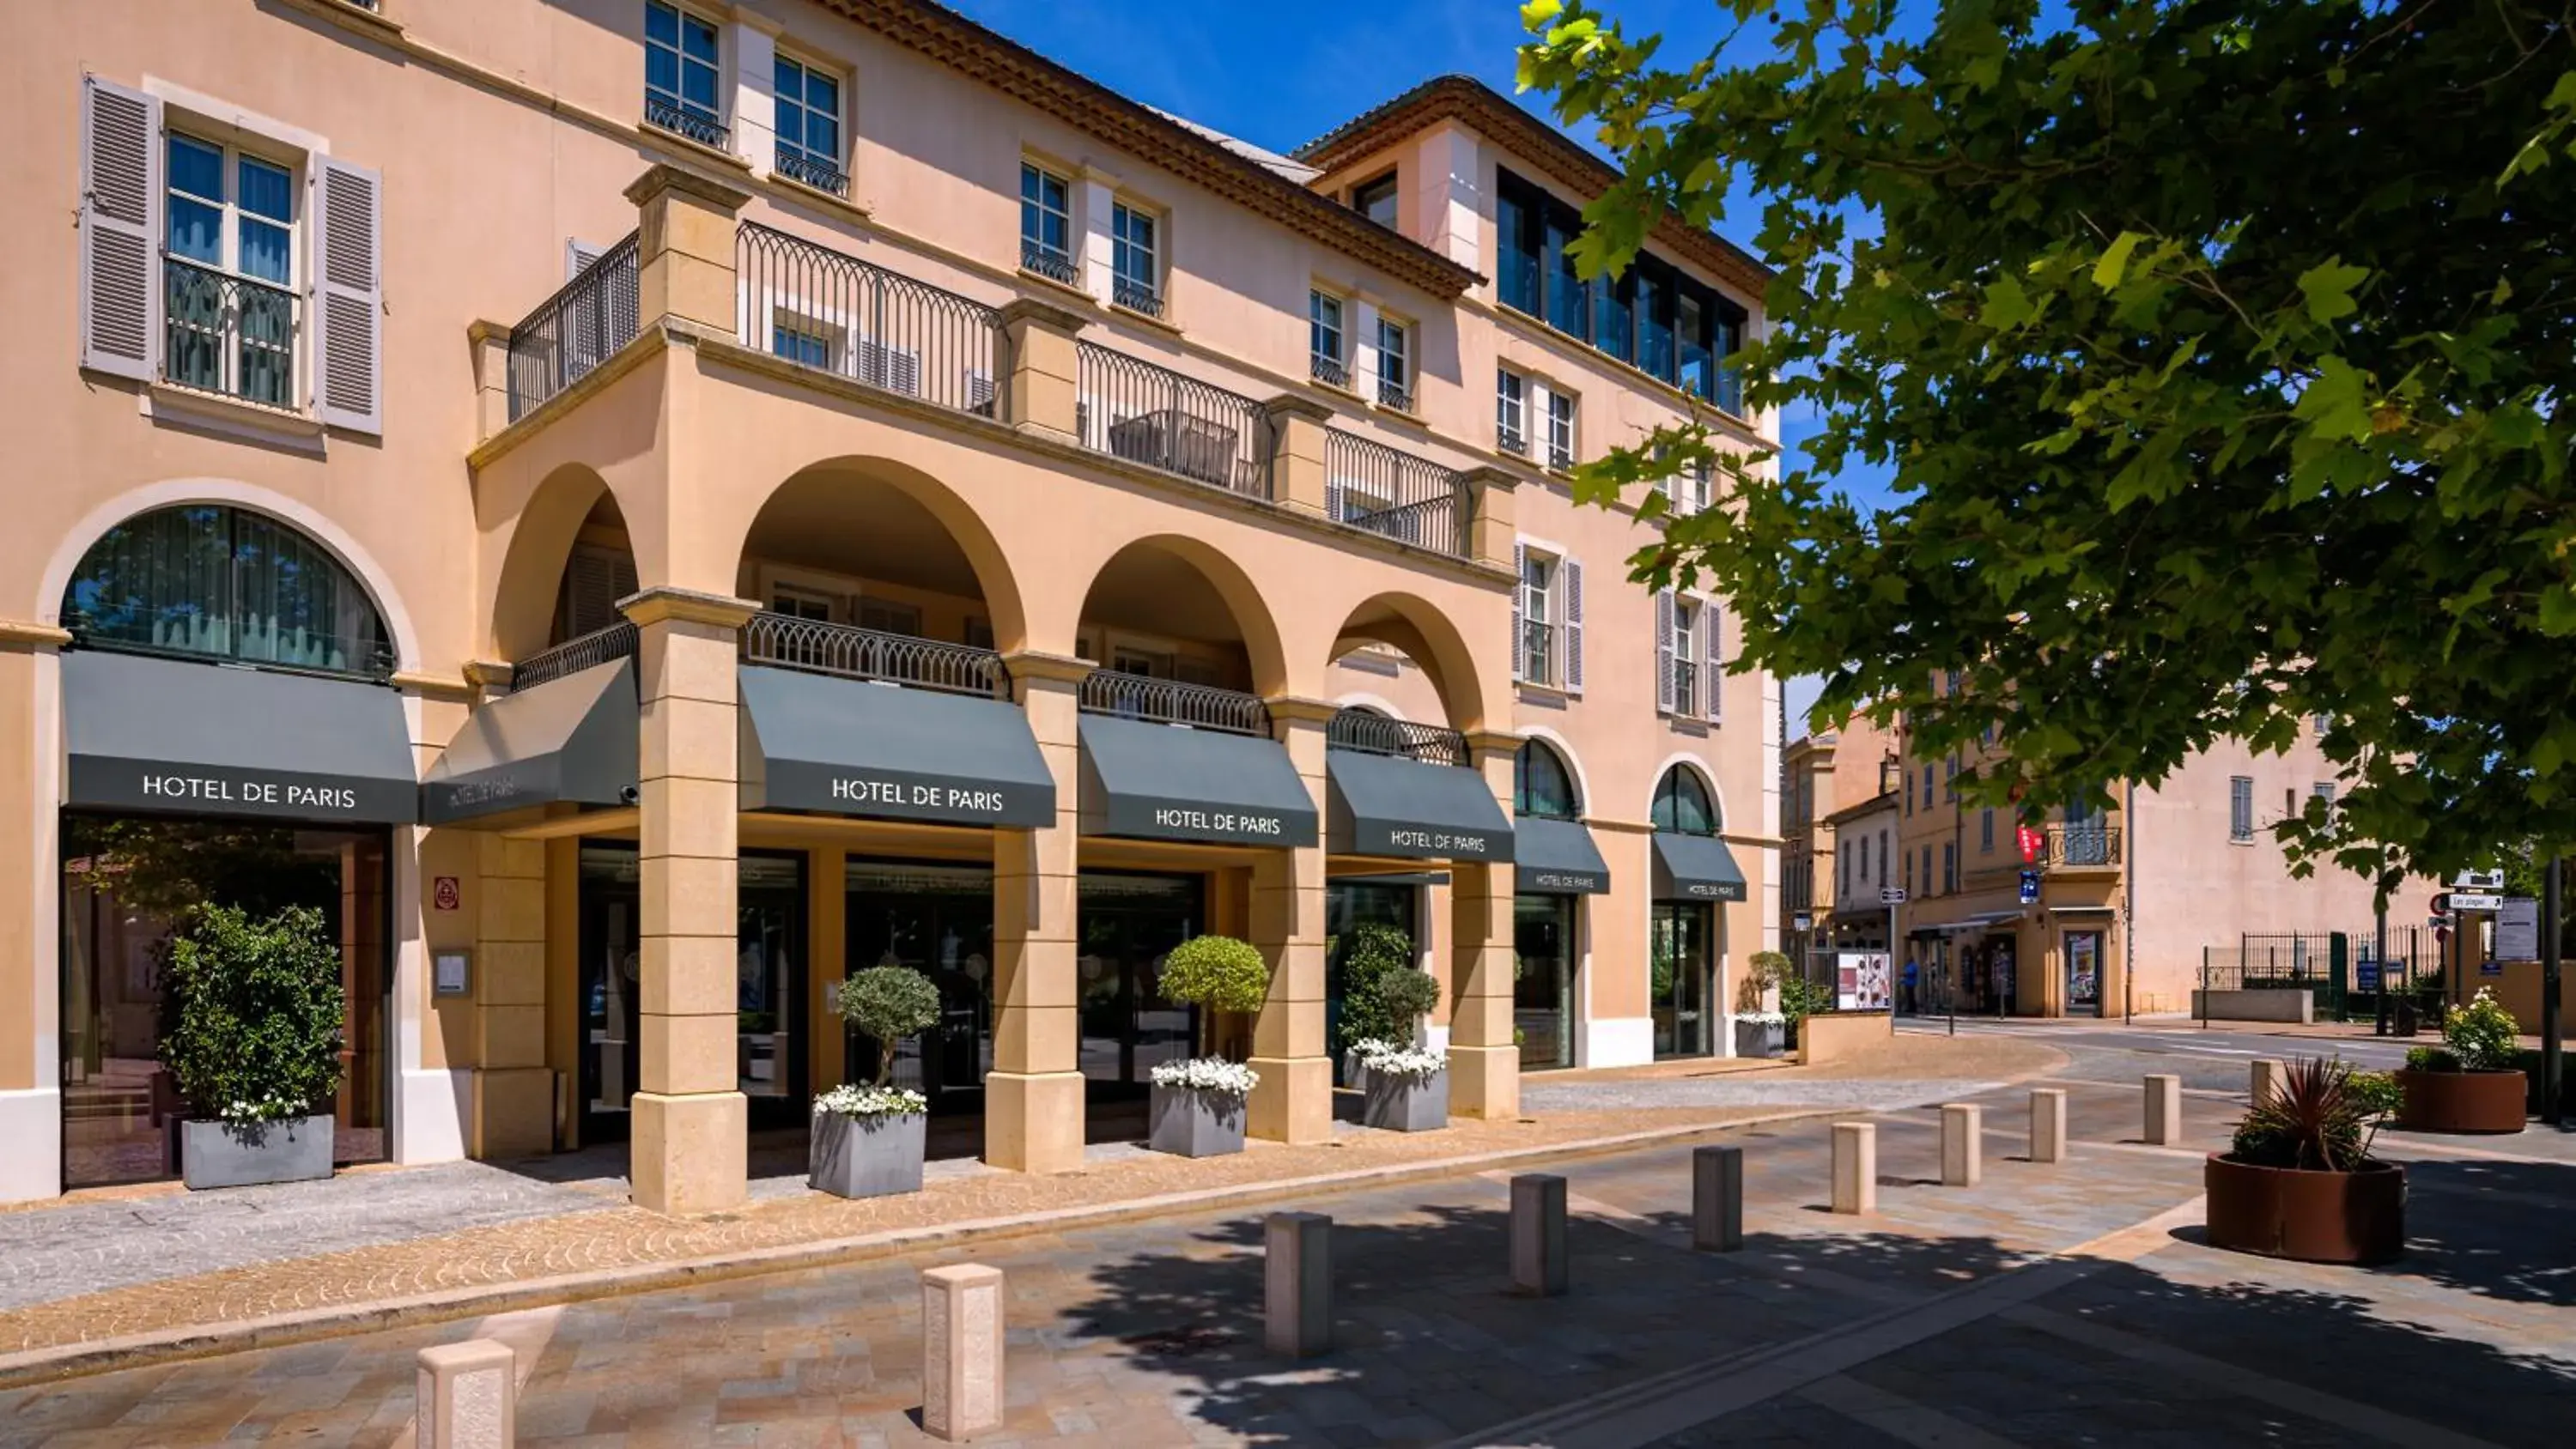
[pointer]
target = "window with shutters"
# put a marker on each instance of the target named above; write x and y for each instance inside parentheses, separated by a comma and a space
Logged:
(681, 93)
(1540, 578)
(595, 578)
(2240, 807)
(229, 302)
(1686, 657)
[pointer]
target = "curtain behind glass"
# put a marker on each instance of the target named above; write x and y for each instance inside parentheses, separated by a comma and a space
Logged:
(210, 580)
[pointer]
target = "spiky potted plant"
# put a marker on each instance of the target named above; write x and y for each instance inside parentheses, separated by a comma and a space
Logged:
(1404, 1087)
(2471, 1083)
(252, 1044)
(869, 1141)
(2298, 1180)
(1198, 1105)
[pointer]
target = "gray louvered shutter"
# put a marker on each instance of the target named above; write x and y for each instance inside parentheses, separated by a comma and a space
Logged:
(348, 296)
(594, 581)
(1664, 650)
(1573, 626)
(120, 229)
(1520, 633)
(578, 256)
(1712, 626)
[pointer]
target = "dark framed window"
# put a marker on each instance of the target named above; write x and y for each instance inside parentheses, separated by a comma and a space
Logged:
(1652, 316)
(1569, 296)
(1542, 786)
(1376, 200)
(1682, 804)
(225, 583)
(1517, 220)
(1614, 317)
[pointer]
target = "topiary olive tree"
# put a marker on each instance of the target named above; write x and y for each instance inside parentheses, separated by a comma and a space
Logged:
(1218, 974)
(1408, 996)
(889, 1003)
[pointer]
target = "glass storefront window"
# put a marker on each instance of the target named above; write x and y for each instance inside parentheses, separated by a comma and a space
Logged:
(1543, 980)
(126, 883)
(1679, 984)
(938, 920)
(224, 582)
(1542, 787)
(1682, 804)
(1350, 905)
(1129, 923)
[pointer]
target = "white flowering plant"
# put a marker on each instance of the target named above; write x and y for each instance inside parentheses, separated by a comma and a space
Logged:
(1763, 1018)
(847, 1101)
(270, 1108)
(1207, 1074)
(1384, 1059)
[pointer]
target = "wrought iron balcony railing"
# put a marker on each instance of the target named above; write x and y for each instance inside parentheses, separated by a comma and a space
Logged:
(1377, 489)
(1391, 392)
(2074, 847)
(854, 653)
(1169, 701)
(1049, 263)
(812, 170)
(686, 121)
(581, 326)
(1512, 440)
(229, 334)
(1377, 734)
(1328, 370)
(574, 655)
(1137, 296)
(834, 313)
(1152, 415)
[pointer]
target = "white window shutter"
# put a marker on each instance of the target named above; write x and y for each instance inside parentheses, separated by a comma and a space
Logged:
(120, 229)
(1520, 592)
(1664, 650)
(1712, 627)
(578, 256)
(1573, 627)
(348, 296)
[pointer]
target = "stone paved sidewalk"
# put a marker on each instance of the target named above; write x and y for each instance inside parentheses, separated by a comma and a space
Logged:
(118, 1266)
(2049, 1306)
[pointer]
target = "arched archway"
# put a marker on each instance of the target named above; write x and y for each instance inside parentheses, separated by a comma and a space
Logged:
(227, 583)
(1549, 751)
(1426, 636)
(880, 545)
(553, 583)
(1171, 607)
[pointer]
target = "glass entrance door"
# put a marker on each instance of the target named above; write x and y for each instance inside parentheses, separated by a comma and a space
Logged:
(1682, 964)
(1543, 980)
(1350, 908)
(2084, 973)
(938, 920)
(1129, 924)
(612, 985)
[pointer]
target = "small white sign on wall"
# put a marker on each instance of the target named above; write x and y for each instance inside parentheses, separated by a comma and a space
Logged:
(2517, 929)
(451, 973)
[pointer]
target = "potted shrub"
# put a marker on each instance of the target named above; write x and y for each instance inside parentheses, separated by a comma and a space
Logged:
(2473, 1082)
(1377, 951)
(1197, 1106)
(1800, 999)
(868, 1141)
(1405, 1090)
(252, 1044)
(1761, 1033)
(2298, 1181)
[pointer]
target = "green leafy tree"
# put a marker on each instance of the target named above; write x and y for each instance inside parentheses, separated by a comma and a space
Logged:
(1220, 974)
(2220, 354)
(888, 1003)
(253, 1014)
(1377, 951)
(1407, 996)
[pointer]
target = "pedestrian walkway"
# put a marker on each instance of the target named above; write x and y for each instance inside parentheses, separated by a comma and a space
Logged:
(2051, 1305)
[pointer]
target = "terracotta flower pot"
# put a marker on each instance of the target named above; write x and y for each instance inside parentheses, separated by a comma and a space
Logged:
(2462, 1101)
(2312, 1217)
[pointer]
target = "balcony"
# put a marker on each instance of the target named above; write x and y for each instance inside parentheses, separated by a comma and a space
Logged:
(1511, 438)
(2080, 847)
(581, 326)
(846, 651)
(1171, 702)
(574, 655)
(665, 114)
(229, 334)
(1375, 734)
(1049, 263)
(831, 312)
(1134, 410)
(806, 168)
(1391, 392)
(1328, 370)
(1376, 489)
(1137, 296)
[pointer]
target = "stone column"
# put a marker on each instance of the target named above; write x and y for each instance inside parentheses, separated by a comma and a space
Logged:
(1298, 476)
(1491, 529)
(490, 342)
(1484, 1064)
(684, 251)
(1040, 390)
(689, 1150)
(1033, 1098)
(1294, 1102)
(31, 975)
(514, 1089)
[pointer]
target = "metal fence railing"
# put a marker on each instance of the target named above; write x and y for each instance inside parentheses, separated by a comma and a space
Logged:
(229, 334)
(1169, 701)
(581, 326)
(1152, 415)
(2073, 846)
(574, 655)
(1381, 490)
(2341, 971)
(832, 312)
(854, 653)
(1376, 734)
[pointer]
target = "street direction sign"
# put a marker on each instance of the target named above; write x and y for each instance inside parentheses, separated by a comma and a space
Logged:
(1891, 895)
(2474, 901)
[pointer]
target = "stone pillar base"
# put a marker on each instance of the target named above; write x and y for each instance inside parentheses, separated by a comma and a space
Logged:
(1294, 1103)
(514, 1112)
(1484, 1081)
(1033, 1120)
(690, 1154)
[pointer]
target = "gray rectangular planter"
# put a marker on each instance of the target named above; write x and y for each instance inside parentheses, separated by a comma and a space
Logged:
(866, 1156)
(1754, 1039)
(1192, 1123)
(217, 1154)
(1354, 1075)
(1406, 1104)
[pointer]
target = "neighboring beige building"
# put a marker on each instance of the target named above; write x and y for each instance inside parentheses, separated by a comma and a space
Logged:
(2125, 899)
(1826, 774)
(691, 499)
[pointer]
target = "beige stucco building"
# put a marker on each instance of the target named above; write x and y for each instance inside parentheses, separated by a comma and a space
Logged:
(635, 509)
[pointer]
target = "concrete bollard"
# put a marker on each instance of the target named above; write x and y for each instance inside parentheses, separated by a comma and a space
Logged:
(1297, 1284)
(2164, 1111)
(961, 1351)
(1963, 1144)
(2267, 1080)
(2048, 1124)
(469, 1396)
(1855, 1167)
(1717, 1199)
(1538, 1235)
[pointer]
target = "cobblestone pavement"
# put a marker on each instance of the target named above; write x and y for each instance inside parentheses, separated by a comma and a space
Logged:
(2050, 1305)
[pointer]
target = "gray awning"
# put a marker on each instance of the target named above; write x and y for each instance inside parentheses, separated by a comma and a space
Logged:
(1382, 805)
(1695, 868)
(570, 740)
(1162, 782)
(1557, 857)
(829, 746)
(182, 736)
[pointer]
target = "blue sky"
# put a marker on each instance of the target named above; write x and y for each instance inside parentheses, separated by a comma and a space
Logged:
(1237, 67)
